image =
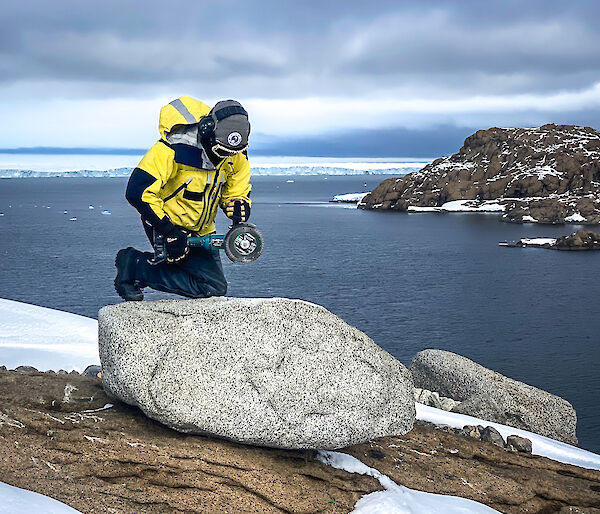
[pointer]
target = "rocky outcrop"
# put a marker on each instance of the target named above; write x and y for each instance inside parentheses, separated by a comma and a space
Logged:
(433, 399)
(548, 174)
(580, 240)
(488, 395)
(271, 372)
(577, 241)
(115, 459)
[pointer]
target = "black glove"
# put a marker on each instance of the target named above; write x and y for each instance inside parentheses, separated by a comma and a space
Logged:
(176, 244)
(238, 210)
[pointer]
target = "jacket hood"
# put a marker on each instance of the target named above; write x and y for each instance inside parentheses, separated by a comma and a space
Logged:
(182, 111)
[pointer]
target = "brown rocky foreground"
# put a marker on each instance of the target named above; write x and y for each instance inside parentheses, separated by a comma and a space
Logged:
(54, 441)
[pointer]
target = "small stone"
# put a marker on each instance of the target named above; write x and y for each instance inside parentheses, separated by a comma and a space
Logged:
(471, 431)
(491, 435)
(377, 454)
(433, 399)
(3, 368)
(519, 444)
(62, 372)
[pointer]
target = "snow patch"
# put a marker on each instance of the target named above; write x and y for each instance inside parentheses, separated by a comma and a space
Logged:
(544, 446)
(462, 206)
(414, 208)
(397, 499)
(14, 500)
(529, 218)
(538, 241)
(575, 218)
(46, 338)
(472, 206)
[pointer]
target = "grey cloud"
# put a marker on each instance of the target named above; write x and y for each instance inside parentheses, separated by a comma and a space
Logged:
(433, 141)
(284, 49)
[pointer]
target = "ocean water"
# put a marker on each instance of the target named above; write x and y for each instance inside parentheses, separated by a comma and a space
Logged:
(410, 281)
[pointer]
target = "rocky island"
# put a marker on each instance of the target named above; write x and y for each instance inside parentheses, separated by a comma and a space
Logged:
(548, 174)
(582, 240)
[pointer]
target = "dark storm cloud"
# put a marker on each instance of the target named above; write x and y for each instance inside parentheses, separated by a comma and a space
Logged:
(433, 141)
(287, 49)
(391, 142)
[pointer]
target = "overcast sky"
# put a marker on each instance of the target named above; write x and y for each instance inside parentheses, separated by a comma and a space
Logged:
(320, 77)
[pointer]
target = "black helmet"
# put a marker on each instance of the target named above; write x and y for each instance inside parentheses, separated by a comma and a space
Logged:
(225, 129)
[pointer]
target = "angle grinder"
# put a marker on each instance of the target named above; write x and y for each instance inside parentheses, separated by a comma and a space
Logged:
(242, 243)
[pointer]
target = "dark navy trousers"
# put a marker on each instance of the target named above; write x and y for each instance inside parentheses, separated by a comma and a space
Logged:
(199, 275)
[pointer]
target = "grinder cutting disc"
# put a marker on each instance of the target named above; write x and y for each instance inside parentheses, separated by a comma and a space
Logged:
(243, 243)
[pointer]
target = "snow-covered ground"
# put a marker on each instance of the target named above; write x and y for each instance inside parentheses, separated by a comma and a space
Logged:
(397, 499)
(349, 197)
(531, 241)
(462, 206)
(575, 218)
(46, 338)
(543, 446)
(538, 241)
(14, 500)
(51, 339)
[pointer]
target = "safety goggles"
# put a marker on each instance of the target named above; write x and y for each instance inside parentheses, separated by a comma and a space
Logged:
(223, 152)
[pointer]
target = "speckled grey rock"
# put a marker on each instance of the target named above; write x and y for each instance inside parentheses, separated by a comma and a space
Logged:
(519, 444)
(271, 372)
(491, 396)
(491, 435)
(433, 399)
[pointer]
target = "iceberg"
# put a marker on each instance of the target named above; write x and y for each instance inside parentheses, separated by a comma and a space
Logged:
(349, 197)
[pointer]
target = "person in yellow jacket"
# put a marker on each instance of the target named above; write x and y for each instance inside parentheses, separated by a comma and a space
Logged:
(198, 165)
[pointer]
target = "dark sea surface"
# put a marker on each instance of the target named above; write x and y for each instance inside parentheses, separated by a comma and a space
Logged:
(409, 281)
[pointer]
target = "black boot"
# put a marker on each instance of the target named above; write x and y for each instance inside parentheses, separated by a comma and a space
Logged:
(125, 283)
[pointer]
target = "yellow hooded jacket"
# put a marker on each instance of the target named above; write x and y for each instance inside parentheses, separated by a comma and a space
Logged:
(176, 184)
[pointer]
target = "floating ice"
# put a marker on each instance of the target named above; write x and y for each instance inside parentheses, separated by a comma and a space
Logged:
(349, 197)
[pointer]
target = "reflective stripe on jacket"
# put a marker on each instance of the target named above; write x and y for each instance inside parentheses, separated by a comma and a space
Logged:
(174, 184)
